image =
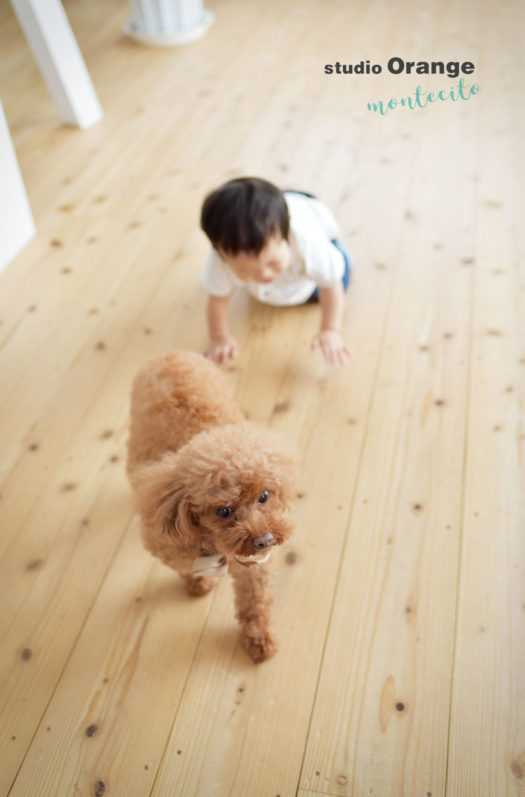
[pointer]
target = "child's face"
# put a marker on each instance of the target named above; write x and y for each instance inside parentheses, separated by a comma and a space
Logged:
(271, 261)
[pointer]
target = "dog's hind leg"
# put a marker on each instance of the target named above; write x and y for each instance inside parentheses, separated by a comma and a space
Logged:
(253, 600)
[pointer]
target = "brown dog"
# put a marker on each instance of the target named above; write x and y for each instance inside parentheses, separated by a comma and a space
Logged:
(210, 487)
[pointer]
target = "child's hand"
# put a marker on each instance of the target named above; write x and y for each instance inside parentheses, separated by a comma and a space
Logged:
(335, 351)
(222, 349)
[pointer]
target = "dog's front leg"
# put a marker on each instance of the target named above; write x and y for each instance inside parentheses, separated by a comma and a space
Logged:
(196, 584)
(253, 600)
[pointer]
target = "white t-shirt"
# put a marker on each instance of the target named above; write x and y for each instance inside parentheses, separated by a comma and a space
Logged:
(315, 261)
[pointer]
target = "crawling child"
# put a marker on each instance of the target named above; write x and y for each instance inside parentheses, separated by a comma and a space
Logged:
(284, 247)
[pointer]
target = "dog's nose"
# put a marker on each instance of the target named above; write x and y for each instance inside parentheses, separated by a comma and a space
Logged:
(263, 542)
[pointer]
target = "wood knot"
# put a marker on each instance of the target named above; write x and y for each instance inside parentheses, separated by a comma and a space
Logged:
(91, 730)
(100, 788)
(68, 487)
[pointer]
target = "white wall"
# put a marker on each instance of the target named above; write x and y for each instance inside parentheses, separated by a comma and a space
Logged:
(16, 221)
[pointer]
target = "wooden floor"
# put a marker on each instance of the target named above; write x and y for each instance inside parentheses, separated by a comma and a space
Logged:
(402, 617)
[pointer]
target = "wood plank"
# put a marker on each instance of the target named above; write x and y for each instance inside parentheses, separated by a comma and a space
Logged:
(487, 728)
(306, 793)
(380, 721)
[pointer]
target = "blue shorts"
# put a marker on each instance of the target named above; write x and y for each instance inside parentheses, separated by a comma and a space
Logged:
(349, 264)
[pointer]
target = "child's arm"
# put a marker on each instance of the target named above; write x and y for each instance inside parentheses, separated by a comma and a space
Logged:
(221, 346)
(329, 339)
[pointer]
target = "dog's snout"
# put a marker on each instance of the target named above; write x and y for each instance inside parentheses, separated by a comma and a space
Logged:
(263, 542)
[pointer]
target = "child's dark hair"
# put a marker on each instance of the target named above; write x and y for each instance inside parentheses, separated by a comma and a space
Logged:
(243, 213)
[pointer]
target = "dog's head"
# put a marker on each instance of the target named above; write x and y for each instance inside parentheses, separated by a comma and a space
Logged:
(228, 487)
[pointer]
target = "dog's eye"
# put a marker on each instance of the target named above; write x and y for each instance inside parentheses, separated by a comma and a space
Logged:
(224, 511)
(264, 497)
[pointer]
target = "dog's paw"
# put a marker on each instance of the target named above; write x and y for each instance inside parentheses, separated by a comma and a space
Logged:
(259, 645)
(199, 585)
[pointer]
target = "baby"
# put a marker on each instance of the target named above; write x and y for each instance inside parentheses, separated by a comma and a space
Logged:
(284, 247)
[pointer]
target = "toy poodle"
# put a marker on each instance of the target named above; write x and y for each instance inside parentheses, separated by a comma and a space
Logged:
(210, 487)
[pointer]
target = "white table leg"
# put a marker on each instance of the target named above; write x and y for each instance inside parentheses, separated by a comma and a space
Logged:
(16, 221)
(56, 51)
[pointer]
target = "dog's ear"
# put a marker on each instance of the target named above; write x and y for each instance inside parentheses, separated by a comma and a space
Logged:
(283, 462)
(161, 499)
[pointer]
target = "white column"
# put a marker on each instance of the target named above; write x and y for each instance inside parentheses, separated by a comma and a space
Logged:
(16, 221)
(168, 22)
(56, 51)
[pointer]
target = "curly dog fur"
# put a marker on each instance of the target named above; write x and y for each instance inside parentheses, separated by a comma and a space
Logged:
(191, 453)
